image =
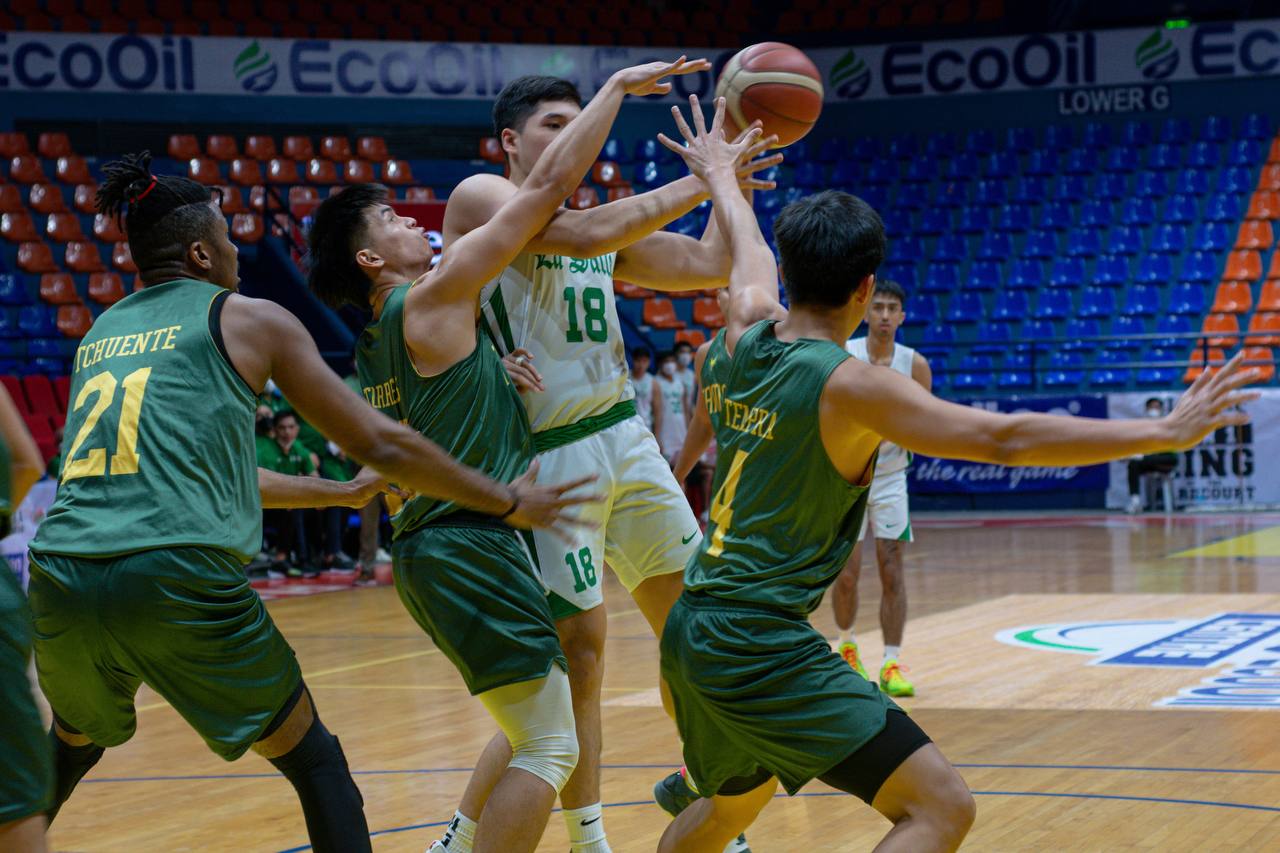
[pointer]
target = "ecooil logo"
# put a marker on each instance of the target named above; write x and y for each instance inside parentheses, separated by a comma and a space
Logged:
(850, 76)
(255, 70)
(1156, 57)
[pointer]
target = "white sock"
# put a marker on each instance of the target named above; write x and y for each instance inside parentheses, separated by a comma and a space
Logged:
(586, 829)
(892, 653)
(460, 834)
(846, 636)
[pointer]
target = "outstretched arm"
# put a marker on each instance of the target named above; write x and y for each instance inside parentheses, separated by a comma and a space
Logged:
(281, 491)
(25, 464)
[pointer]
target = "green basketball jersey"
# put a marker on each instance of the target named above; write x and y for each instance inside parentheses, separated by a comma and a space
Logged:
(783, 520)
(472, 409)
(159, 447)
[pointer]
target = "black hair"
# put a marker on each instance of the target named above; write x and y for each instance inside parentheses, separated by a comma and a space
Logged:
(829, 243)
(520, 98)
(889, 287)
(666, 354)
(641, 351)
(1155, 400)
(161, 214)
(279, 417)
(338, 227)
(682, 344)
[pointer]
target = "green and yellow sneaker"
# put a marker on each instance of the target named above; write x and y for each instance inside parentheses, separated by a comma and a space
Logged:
(849, 651)
(893, 682)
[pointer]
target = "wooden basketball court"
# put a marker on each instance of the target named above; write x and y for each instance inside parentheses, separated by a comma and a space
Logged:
(1103, 683)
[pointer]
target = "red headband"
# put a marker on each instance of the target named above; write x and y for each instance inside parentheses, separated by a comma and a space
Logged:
(149, 188)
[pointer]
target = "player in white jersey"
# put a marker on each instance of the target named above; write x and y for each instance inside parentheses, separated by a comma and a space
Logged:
(552, 313)
(671, 410)
(642, 384)
(887, 502)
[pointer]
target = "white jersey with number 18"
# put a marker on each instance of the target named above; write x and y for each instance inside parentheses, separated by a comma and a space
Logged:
(892, 457)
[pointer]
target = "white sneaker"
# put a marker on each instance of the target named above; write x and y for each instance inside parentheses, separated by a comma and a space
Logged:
(1135, 504)
(382, 556)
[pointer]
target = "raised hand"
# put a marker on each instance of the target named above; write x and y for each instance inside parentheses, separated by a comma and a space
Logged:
(645, 79)
(1210, 403)
(748, 167)
(544, 506)
(706, 150)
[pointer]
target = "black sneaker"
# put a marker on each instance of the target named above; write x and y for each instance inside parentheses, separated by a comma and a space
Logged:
(339, 562)
(673, 795)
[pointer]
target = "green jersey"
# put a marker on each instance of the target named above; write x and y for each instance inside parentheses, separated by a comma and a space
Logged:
(159, 437)
(472, 409)
(295, 462)
(783, 520)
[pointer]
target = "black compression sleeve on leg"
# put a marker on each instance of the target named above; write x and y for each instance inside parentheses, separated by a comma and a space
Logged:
(70, 763)
(331, 802)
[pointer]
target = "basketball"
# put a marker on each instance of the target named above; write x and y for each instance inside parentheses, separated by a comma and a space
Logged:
(775, 83)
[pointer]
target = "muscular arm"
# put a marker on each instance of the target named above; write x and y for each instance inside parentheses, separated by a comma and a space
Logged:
(25, 464)
(921, 372)
(753, 282)
(280, 491)
(700, 434)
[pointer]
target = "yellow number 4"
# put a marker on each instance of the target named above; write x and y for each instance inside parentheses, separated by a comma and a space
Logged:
(125, 459)
(721, 514)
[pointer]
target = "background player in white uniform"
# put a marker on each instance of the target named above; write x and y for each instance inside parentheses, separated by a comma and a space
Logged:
(642, 384)
(553, 313)
(887, 504)
(671, 410)
(684, 369)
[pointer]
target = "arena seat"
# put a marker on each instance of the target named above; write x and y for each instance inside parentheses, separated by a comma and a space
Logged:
(232, 201)
(1261, 359)
(122, 258)
(1186, 299)
(661, 314)
(1264, 204)
(372, 148)
(584, 197)
(490, 150)
(419, 194)
(106, 288)
(13, 143)
(1217, 358)
(259, 147)
(298, 148)
(1232, 297)
(283, 171)
(1222, 330)
(358, 172)
(205, 171)
(74, 320)
(83, 257)
(221, 147)
(1244, 265)
(706, 312)
(321, 171)
(11, 199)
(245, 172)
(247, 228)
(1269, 180)
(46, 198)
(183, 146)
(335, 148)
(693, 337)
(107, 229)
(58, 289)
(627, 290)
(35, 257)
(26, 169)
(72, 169)
(397, 173)
(17, 227)
(63, 227)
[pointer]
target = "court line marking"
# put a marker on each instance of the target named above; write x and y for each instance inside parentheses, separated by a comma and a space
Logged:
(444, 688)
(1049, 794)
(671, 764)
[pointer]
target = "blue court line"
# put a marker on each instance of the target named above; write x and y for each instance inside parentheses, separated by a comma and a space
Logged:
(669, 765)
(1123, 797)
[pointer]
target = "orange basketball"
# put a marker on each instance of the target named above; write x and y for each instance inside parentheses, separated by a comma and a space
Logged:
(775, 83)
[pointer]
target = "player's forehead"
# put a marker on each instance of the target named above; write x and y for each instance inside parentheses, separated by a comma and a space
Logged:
(886, 299)
(550, 110)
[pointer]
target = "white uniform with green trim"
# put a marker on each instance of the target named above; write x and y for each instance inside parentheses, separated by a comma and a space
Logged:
(887, 503)
(562, 310)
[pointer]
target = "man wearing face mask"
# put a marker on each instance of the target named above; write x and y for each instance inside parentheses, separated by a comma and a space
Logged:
(1152, 463)
(684, 371)
(671, 412)
(642, 381)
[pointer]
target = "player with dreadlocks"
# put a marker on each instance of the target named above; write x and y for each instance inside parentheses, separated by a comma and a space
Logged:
(137, 571)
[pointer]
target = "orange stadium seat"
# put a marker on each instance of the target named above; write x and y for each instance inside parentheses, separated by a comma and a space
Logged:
(72, 169)
(1274, 155)
(26, 169)
(661, 314)
(1264, 329)
(281, 171)
(53, 145)
(205, 171)
(63, 227)
(107, 229)
(222, 147)
(1269, 299)
(358, 172)
(10, 199)
(1244, 265)
(122, 258)
(58, 288)
(46, 198)
(1233, 297)
(260, 147)
(491, 150)
(245, 172)
(623, 191)
(85, 198)
(607, 174)
(35, 257)
(419, 194)
(397, 173)
(247, 228)
(693, 337)
(1264, 204)
(183, 146)
(83, 257)
(303, 195)
(627, 290)
(18, 227)
(298, 148)
(1222, 330)
(1255, 234)
(1270, 178)
(584, 197)
(106, 288)
(1217, 358)
(232, 200)
(335, 148)
(13, 143)
(372, 148)
(74, 320)
(320, 171)
(706, 310)
(1262, 360)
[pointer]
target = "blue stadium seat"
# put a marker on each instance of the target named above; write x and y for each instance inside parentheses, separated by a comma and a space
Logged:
(1111, 271)
(1000, 164)
(995, 246)
(765, 203)
(1064, 369)
(1058, 137)
(1162, 372)
(965, 307)
(993, 337)
(922, 170)
(939, 334)
(9, 324)
(848, 174)
(951, 247)
(974, 219)
(934, 220)
(649, 149)
(1151, 185)
(922, 310)
(1255, 126)
(1187, 299)
(1222, 208)
(984, 275)
(1155, 269)
(1040, 244)
(1053, 305)
(1127, 326)
(13, 290)
(1029, 189)
(1080, 330)
(941, 277)
(1173, 324)
(797, 152)
(1020, 139)
(1067, 272)
(1041, 162)
(1015, 374)
(1136, 134)
(1110, 187)
(1175, 131)
(1069, 188)
(1014, 217)
(1163, 158)
(48, 366)
(791, 194)
(809, 175)
(1096, 213)
(1111, 371)
(1211, 237)
(1025, 274)
(1179, 210)
(1169, 239)
(1035, 334)
(1214, 129)
(880, 172)
(1139, 212)
(1192, 182)
(990, 193)
(980, 141)
(866, 147)
(832, 150)
(44, 348)
(1056, 215)
(1235, 179)
(974, 374)
(897, 222)
(646, 174)
(1201, 267)
(962, 167)
(1142, 300)
(1244, 152)
(1203, 155)
(1010, 307)
(1096, 135)
(940, 144)
(877, 197)
(903, 274)
(951, 194)
(902, 146)
(1097, 302)
(1124, 240)
(36, 321)
(614, 150)
(1084, 243)
(1081, 161)
(1122, 160)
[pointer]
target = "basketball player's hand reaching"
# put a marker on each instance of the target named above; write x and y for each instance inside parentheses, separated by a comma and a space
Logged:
(748, 165)
(707, 151)
(645, 79)
(545, 506)
(366, 485)
(1210, 403)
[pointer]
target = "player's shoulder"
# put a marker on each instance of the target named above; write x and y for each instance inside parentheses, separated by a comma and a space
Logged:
(481, 184)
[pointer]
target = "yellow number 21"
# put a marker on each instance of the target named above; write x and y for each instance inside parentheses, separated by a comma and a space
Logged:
(721, 514)
(125, 459)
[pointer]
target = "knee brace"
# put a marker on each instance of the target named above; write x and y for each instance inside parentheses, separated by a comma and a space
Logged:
(537, 718)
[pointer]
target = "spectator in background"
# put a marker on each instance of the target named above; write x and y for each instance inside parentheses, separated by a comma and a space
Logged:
(642, 382)
(1152, 463)
(684, 372)
(670, 407)
(285, 455)
(334, 465)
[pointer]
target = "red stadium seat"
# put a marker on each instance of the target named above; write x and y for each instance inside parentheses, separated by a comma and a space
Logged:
(1269, 180)
(1244, 265)
(321, 171)
(58, 288)
(335, 148)
(1233, 297)
(39, 392)
(1265, 204)
(260, 147)
(1262, 360)
(62, 391)
(106, 288)
(14, 386)
(583, 198)
(1264, 329)
(83, 257)
(281, 171)
(258, 199)
(13, 143)
(218, 26)
(298, 148)
(122, 258)
(74, 320)
(11, 199)
(303, 195)
(222, 147)
(137, 283)
(107, 229)
(372, 148)
(358, 172)
(1222, 330)
(72, 169)
(706, 311)
(661, 314)
(1274, 155)
(607, 174)
(1217, 358)
(245, 172)
(620, 192)
(232, 200)
(53, 145)
(276, 11)
(205, 171)
(693, 337)
(397, 173)
(86, 198)
(1269, 299)
(247, 228)
(419, 194)
(46, 198)
(491, 150)
(183, 146)
(35, 257)
(63, 227)
(18, 227)
(26, 169)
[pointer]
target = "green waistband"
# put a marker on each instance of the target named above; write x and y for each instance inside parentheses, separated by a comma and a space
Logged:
(550, 439)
